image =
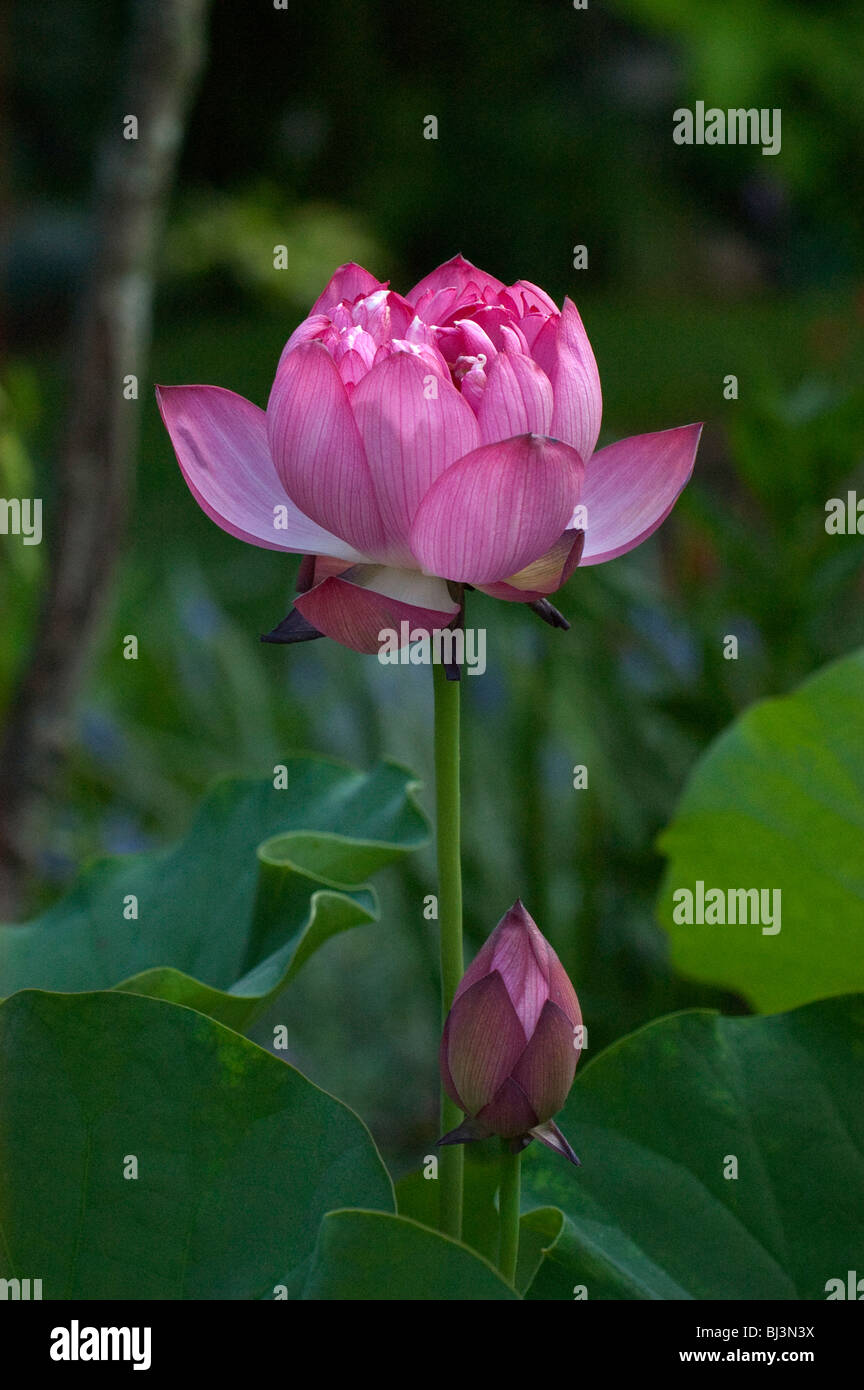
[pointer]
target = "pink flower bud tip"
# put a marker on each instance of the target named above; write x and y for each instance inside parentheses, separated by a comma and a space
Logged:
(512, 1039)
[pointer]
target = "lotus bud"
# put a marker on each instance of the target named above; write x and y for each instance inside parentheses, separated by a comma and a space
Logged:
(512, 1039)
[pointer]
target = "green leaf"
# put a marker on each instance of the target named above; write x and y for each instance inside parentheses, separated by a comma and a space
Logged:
(373, 1256)
(263, 878)
(238, 1155)
(656, 1121)
(777, 802)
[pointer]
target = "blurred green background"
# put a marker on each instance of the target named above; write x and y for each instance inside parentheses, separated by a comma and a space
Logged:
(555, 129)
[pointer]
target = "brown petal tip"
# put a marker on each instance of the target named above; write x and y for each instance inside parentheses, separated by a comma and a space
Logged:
(470, 1130)
(294, 628)
(550, 1135)
(545, 610)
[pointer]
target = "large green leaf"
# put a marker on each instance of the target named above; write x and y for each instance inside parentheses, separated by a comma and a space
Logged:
(263, 878)
(778, 803)
(238, 1156)
(381, 1258)
(656, 1120)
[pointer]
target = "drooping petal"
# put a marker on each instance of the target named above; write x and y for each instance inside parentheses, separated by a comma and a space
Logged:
(544, 576)
(357, 607)
(413, 426)
(456, 272)
(566, 356)
(631, 487)
(348, 283)
(291, 630)
(220, 440)
(317, 448)
(510, 1112)
(546, 1068)
(550, 1135)
(470, 1130)
(485, 1040)
(497, 509)
(517, 399)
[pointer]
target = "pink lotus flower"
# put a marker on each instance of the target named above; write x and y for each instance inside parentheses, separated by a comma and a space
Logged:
(512, 1039)
(412, 446)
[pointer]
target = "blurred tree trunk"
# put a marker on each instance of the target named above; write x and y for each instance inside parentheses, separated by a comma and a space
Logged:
(133, 179)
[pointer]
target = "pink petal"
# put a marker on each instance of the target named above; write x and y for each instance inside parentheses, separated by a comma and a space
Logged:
(565, 354)
(533, 297)
(497, 509)
(348, 282)
(563, 995)
(317, 449)
(436, 307)
(314, 327)
(484, 1041)
(509, 1113)
(384, 315)
(220, 440)
(465, 339)
(517, 399)
(545, 575)
(456, 272)
(546, 1068)
(519, 952)
(352, 369)
(631, 487)
(413, 425)
(356, 608)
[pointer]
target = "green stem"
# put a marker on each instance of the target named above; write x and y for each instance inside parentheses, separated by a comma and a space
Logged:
(447, 812)
(508, 1208)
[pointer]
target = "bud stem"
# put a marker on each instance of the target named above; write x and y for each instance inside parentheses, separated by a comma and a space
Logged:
(509, 1200)
(447, 814)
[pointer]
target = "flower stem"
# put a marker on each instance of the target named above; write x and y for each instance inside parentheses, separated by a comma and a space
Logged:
(447, 811)
(508, 1208)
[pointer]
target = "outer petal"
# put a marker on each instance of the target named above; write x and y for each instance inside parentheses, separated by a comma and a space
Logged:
(348, 282)
(220, 440)
(565, 354)
(545, 575)
(510, 1112)
(632, 486)
(317, 449)
(546, 1068)
(456, 272)
(411, 435)
(484, 1042)
(356, 607)
(517, 399)
(497, 509)
(312, 328)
